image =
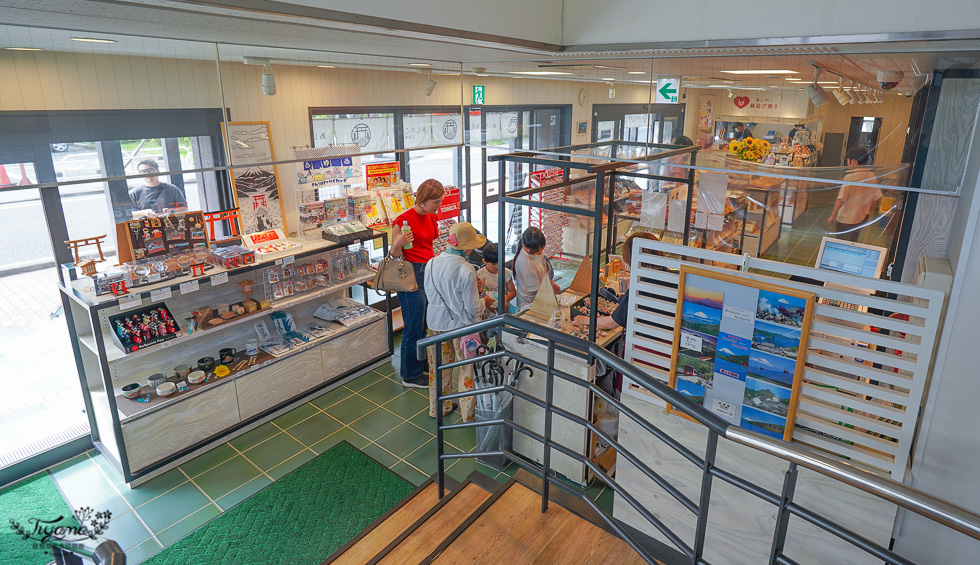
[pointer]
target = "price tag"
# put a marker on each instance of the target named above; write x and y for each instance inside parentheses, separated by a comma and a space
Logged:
(165, 344)
(220, 278)
(130, 301)
(155, 277)
(266, 362)
(690, 341)
(288, 260)
(724, 409)
(188, 287)
(278, 262)
(160, 294)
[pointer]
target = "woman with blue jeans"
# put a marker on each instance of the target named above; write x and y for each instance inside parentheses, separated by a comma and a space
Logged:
(416, 248)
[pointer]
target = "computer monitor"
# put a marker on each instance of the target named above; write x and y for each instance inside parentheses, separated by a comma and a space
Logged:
(850, 257)
(770, 134)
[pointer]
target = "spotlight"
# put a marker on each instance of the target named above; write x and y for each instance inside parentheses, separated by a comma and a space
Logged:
(731, 93)
(430, 85)
(817, 94)
(612, 92)
(853, 94)
(268, 81)
(842, 97)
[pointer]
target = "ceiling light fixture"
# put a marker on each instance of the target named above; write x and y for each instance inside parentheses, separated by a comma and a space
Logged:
(607, 78)
(430, 85)
(817, 94)
(326, 66)
(763, 72)
(93, 40)
(419, 65)
(842, 97)
(542, 73)
(23, 49)
(636, 73)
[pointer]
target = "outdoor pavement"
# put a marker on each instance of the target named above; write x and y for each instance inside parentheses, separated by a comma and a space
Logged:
(27, 298)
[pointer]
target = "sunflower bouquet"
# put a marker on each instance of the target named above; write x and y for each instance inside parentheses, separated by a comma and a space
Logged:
(749, 149)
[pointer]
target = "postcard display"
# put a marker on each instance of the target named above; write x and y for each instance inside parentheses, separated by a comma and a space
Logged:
(739, 348)
(550, 222)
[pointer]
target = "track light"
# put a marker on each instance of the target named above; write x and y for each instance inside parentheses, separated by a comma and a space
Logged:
(817, 94)
(731, 93)
(853, 94)
(842, 97)
(268, 81)
(430, 85)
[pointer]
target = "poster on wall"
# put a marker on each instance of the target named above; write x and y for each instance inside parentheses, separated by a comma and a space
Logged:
(381, 175)
(706, 120)
(739, 348)
(256, 187)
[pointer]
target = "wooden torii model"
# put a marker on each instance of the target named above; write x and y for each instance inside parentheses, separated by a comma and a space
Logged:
(74, 244)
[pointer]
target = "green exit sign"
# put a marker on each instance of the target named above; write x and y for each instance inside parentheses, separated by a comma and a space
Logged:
(479, 94)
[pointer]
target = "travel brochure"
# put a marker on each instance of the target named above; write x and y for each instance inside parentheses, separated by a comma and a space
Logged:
(737, 348)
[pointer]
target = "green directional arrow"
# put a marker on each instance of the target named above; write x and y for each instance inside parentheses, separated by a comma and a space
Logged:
(666, 91)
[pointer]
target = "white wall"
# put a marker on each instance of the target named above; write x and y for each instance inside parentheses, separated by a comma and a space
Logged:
(948, 453)
(644, 21)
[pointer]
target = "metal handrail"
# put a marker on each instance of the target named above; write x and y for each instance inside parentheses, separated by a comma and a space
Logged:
(938, 510)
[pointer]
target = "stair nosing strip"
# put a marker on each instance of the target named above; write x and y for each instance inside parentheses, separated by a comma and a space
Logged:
(418, 523)
(469, 521)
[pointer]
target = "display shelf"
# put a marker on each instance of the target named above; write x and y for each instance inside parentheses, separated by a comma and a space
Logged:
(263, 360)
(114, 354)
(80, 289)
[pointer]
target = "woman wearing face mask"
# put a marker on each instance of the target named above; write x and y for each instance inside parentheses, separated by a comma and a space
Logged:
(416, 247)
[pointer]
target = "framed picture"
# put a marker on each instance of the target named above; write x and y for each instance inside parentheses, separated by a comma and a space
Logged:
(739, 348)
(256, 186)
(582, 127)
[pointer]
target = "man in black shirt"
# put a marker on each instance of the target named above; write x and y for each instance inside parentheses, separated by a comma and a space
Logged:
(155, 195)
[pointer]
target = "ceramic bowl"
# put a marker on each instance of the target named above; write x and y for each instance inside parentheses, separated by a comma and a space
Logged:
(156, 379)
(196, 377)
(166, 389)
(132, 391)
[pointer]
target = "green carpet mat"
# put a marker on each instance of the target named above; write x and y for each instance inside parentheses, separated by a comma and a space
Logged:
(300, 519)
(36, 497)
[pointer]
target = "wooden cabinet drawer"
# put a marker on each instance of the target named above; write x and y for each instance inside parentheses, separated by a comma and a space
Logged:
(265, 388)
(165, 432)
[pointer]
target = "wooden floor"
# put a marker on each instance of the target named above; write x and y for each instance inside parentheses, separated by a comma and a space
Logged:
(430, 534)
(369, 546)
(514, 531)
(505, 527)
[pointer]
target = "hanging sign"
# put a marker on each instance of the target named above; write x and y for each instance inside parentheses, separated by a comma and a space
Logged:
(667, 89)
(326, 172)
(446, 129)
(381, 175)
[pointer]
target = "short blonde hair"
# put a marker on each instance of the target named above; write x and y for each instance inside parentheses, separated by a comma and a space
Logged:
(429, 190)
(628, 244)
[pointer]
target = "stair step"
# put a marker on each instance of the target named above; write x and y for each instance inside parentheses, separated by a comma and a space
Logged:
(513, 530)
(363, 548)
(430, 530)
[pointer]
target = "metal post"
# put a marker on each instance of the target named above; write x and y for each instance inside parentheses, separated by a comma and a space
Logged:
(549, 394)
(611, 215)
(690, 200)
(171, 156)
(782, 517)
(441, 465)
(501, 241)
(709, 461)
(483, 188)
(596, 231)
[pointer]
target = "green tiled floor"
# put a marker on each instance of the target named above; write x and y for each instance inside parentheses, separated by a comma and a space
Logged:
(373, 412)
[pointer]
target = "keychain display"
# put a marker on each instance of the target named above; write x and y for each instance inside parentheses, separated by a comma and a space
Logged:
(284, 281)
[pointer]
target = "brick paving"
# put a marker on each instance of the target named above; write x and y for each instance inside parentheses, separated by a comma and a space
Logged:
(28, 298)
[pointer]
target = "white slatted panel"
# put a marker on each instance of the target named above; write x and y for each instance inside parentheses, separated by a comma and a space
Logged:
(865, 372)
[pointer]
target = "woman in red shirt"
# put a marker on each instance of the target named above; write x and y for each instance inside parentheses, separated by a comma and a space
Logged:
(421, 218)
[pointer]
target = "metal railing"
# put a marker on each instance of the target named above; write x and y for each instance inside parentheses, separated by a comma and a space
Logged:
(938, 510)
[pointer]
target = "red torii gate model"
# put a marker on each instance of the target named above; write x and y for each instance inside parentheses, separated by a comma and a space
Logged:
(233, 216)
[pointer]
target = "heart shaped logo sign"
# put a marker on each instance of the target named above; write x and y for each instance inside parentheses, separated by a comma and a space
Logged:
(741, 101)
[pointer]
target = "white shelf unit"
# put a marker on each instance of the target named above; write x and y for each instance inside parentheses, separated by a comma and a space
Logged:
(145, 442)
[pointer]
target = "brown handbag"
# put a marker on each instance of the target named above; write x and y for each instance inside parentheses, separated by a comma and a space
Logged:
(394, 275)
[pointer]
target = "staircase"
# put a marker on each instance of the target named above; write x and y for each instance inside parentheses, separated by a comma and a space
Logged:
(482, 521)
